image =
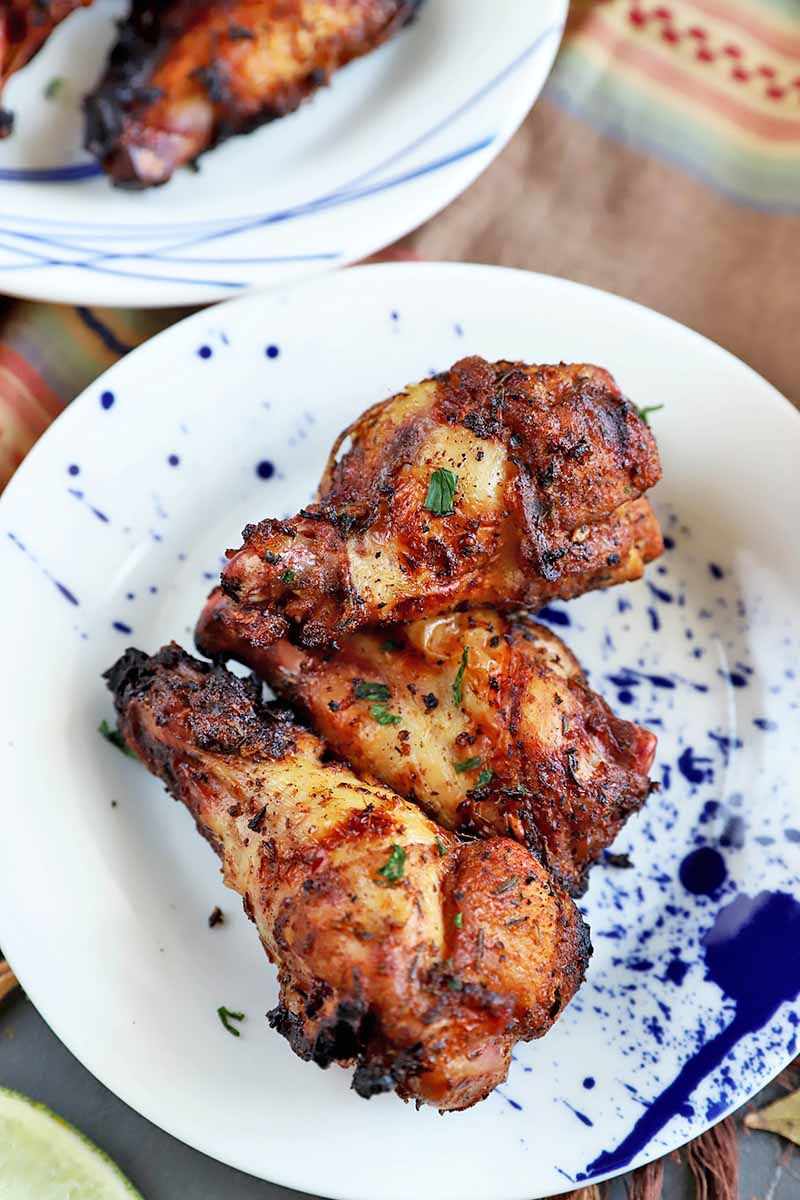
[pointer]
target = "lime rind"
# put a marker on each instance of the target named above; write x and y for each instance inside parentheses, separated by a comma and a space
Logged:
(43, 1157)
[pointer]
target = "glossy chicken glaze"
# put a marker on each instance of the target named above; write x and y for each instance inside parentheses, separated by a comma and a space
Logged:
(550, 462)
(423, 981)
(488, 722)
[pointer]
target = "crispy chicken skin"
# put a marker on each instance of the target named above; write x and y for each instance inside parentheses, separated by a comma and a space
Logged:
(550, 461)
(25, 25)
(517, 744)
(186, 74)
(376, 968)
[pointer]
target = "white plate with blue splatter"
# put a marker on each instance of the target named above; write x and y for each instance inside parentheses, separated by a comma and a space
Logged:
(110, 534)
(396, 137)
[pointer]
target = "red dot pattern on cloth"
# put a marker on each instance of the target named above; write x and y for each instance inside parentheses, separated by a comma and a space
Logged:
(664, 19)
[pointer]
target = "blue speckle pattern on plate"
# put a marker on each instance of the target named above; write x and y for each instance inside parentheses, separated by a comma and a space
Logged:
(691, 1002)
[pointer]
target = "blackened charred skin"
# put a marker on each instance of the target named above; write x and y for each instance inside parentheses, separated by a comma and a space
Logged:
(221, 713)
(340, 1039)
(124, 88)
(372, 1078)
(187, 74)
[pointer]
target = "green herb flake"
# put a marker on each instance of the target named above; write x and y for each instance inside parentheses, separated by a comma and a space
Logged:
(288, 577)
(440, 846)
(371, 691)
(458, 682)
(441, 492)
(54, 88)
(468, 764)
(226, 1016)
(644, 413)
(455, 984)
(389, 646)
(519, 790)
(458, 920)
(507, 886)
(113, 735)
(485, 777)
(392, 869)
(381, 714)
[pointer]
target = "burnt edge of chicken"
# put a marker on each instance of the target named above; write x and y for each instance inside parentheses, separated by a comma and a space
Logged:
(124, 93)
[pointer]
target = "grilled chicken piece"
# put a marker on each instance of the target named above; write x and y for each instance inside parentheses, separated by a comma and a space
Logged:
(416, 958)
(186, 74)
(25, 25)
(497, 484)
(486, 721)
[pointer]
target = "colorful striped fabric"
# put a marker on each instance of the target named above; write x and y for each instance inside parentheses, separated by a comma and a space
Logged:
(712, 85)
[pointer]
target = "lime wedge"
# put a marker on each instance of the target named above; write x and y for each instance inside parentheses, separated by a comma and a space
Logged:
(44, 1158)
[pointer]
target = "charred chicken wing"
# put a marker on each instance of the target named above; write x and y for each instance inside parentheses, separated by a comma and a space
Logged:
(487, 722)
(418, 959)
(186, 74)
(495, 483)
(25, 25)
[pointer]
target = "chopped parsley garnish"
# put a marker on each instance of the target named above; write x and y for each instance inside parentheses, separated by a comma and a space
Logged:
(458, 682)
(288, 577)
(644, 413)
(226, 1016)
(458, 920)
(454, 983)
(468, 764)
(113, 735)
(441, 492)
(54, 88)
(440, 847)
(485, 777)
(392, 869)
(507, 886)
(381, 714)
(389, 646)
(371, 691)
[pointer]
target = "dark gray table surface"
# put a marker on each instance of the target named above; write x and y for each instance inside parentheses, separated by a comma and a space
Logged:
(34, 1061)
